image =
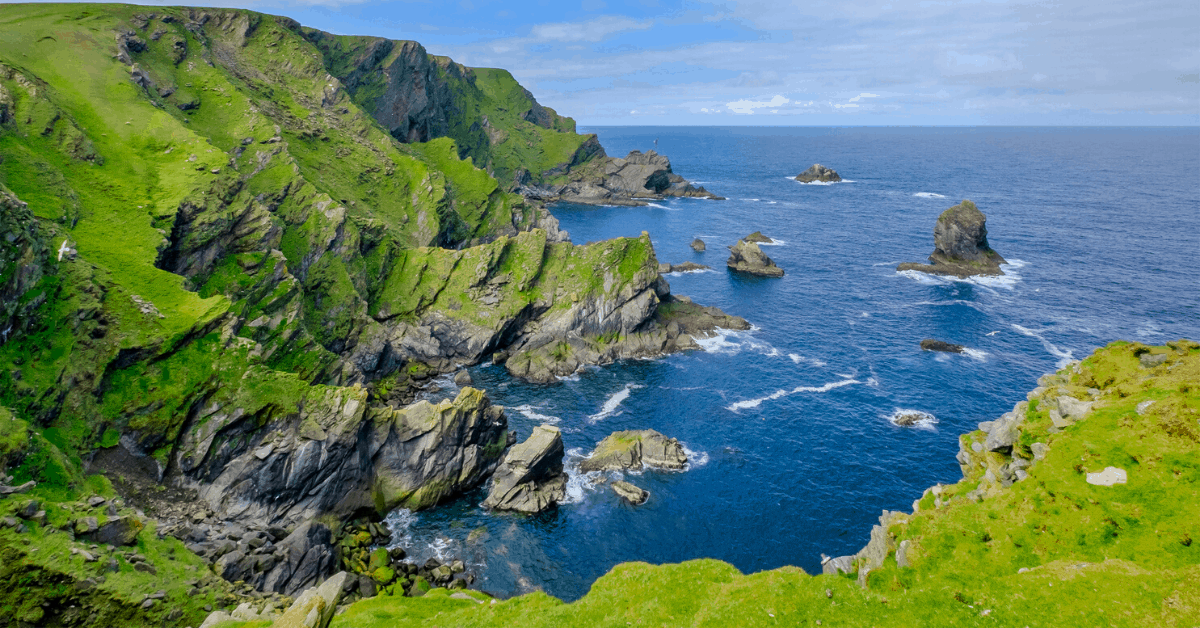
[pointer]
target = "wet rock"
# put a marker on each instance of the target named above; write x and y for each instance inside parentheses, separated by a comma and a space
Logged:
(817, 172)
(698, 245)
(635, 449)
(463, 378)
(746, 257)
(960, 245)
(531, 478)
(681, 268)
(630, 493)
(929, 344)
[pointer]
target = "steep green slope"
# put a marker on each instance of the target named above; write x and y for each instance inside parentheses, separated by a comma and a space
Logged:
(1051, 550)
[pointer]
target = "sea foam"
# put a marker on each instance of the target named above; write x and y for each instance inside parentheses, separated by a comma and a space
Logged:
(613, 403)
(926, 421)
(1064, 356)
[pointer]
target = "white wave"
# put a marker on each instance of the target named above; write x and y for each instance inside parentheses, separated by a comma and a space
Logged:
(770, 202)
(579, 484)
(773, 242)
(925, 420)
(797, 358)
(929, 195)
(975, 354)
(660, 206)
(719, 343)
(1008, 280)
(613, 402)
(751, 199)
(754, 403)
(530, 412)
(821, 182)
(677, 273)
(696, 459)
(1063, 356)
(1149, 329)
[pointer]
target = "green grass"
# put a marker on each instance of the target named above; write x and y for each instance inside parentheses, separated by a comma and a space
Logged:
(1050, 551)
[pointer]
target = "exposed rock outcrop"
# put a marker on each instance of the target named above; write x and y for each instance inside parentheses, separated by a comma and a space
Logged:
(685, 267)
(339, 455)
(929, 344)
(960, 245)
(25, 258)
(698, 245)
(630, 493)
(531, 478)
(747, 257)
(758, 238)
(633, 180)
(635, 449)
(817, 172)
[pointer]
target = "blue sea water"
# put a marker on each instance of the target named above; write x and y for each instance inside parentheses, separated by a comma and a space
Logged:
(792, 453)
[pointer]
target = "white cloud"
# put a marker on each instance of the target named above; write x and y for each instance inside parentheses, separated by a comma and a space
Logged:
(598, 29)
(748, 106)
(863, 95)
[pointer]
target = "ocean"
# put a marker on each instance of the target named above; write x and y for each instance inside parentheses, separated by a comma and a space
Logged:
(792, 453)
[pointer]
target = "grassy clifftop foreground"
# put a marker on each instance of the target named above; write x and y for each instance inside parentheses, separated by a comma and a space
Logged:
(1050, 550)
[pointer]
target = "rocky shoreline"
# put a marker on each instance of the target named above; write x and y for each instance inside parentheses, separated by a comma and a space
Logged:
(633, 180)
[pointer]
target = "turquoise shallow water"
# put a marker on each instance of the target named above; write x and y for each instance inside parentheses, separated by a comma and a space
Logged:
(787, 425)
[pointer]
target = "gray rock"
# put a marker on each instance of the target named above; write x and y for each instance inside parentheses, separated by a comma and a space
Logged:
(1072, 410)
(817, 172)
(902, 554)
(1039, 450)
(315, 606)
(1151, 360)
(14, 490)
(463, 378)
(698, 245)
(960, 245)
(118, 531)
(840, 564)
(531, 478)
(635, 449)
(630, 493)
(747, 257)
(1144, 406)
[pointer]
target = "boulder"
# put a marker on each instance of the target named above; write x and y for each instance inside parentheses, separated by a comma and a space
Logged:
(698, 245)
(960, 245)
(315, 607)
(531, 478)
(463, 378)
(746, 257)
(929, 344)
(817, 172)
(118, 531)
(630, 493)
(306, 557)
(635, 449)
(1108, 477)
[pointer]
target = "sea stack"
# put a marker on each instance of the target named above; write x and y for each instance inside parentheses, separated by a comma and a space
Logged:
(747, 257)
(819, 173)
(531, 478)
(960, 245)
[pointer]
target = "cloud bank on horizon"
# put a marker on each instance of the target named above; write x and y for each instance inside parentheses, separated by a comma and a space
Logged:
(814, 62)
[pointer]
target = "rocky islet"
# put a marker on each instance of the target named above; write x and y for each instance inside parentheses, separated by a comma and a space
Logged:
(960, 245)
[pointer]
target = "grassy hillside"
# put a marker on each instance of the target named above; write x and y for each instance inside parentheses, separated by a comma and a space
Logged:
(1051, 550)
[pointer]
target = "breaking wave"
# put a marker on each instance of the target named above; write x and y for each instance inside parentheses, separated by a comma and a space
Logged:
(754, 403)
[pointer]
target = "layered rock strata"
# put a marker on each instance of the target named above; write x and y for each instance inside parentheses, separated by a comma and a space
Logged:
(960, 245)
(531, 478)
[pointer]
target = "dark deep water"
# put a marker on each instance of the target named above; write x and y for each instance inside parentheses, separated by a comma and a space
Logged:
(792, 451)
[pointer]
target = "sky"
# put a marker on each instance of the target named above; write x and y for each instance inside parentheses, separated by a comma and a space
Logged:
(871, 62)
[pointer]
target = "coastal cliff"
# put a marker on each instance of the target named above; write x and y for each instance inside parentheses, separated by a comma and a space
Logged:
(235, 250)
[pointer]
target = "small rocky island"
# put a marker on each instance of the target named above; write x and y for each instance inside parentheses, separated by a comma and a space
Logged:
(634, 180)
(747, 257)
(960, 245)
(820, 174)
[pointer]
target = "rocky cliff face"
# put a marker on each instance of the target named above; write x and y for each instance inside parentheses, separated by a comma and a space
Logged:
(531, 478)
(960, 245)
(25, 259)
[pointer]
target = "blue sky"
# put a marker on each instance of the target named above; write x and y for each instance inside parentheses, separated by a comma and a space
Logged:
(875, 62)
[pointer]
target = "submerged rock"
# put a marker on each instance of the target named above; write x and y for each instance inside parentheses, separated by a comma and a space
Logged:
(635, 449)
(630, 493)
(817, 172)
(531, 478)
(746, 257)
(698, 245)
(929, 344)
(960, 245)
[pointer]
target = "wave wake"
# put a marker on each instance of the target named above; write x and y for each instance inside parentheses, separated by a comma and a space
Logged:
(1064, 356)
(754, 403)
(613, 403)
